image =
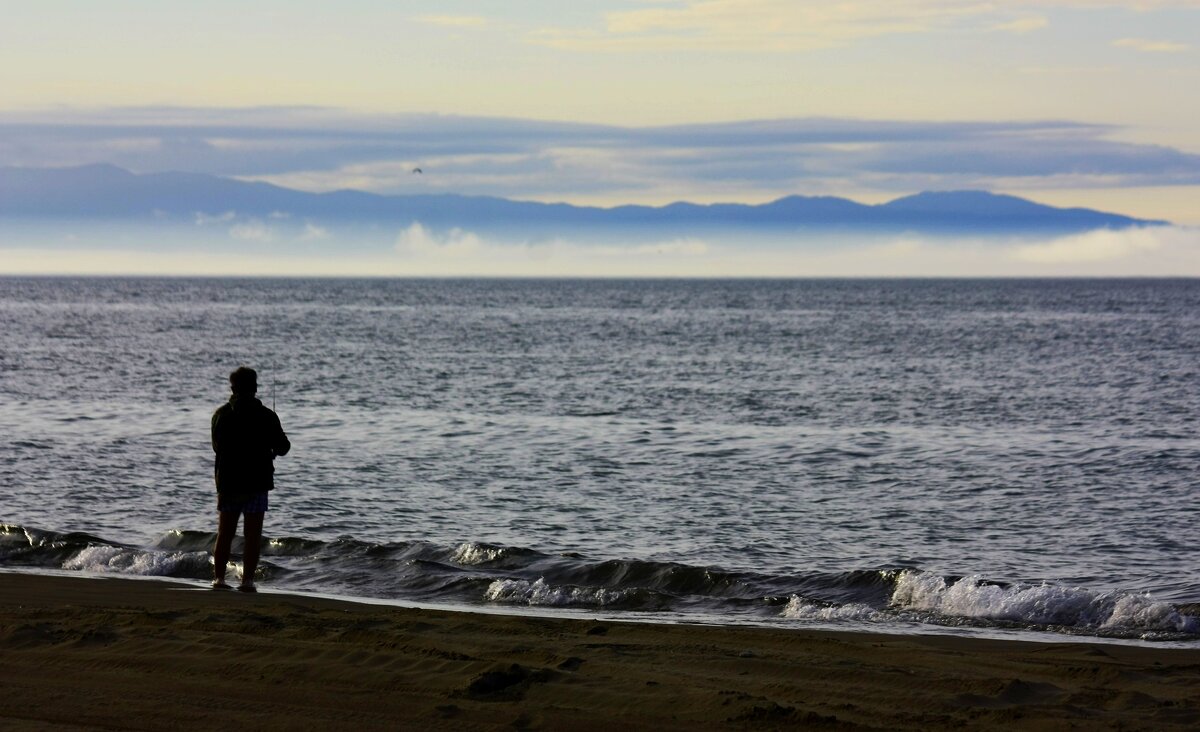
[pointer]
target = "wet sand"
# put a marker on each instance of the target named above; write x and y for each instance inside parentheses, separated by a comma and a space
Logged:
(79, 653)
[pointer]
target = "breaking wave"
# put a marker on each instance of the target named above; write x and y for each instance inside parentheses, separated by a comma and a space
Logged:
(800, 609)
(540, 593)
(113, 559)
(1042, 605)
(481, 572)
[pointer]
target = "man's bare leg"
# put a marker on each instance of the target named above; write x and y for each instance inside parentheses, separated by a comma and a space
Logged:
(252, 527)
(226, 528)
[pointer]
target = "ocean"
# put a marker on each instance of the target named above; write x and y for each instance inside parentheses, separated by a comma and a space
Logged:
(979, 456)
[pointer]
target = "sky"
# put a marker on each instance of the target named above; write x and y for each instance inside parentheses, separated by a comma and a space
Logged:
(1066, 102)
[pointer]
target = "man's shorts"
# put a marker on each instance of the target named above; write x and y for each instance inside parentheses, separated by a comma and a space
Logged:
(256, 503)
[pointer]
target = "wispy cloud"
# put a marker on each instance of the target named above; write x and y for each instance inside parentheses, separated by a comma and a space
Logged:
(800, 25)
(204, 219)
(1066, 70)
(1137, 5)
(252, 230)
(453, 21)
(1026, 24)
(1102, 245)
(278, 227)
(419, 241)
(312, 232)
(457, 250)
(1146, 45)
(758, 25)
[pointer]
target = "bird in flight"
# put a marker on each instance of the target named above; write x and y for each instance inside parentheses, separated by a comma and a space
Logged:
(417, 170)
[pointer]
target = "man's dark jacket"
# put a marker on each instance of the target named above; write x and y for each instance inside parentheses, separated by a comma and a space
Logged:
(246, 437)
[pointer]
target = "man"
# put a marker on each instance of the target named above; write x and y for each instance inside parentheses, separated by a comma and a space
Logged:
(246, 437)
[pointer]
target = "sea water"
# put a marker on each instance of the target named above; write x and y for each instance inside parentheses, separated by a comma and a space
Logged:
(907, 455)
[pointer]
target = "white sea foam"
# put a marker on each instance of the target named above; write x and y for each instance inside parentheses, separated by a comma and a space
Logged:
(112, 559)
(801, 609)
(1139, 611)
(1043, 604)
(471, 553)
(540, 593)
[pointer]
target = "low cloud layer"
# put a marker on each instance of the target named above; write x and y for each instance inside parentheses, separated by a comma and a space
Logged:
(1148, 251)
(1104, 245)
(279, 249)
(323, 149)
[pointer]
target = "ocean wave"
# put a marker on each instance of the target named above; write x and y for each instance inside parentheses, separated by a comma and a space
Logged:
(800, 609)
(482, 572)
(668, 578)
(113, 559)
(26, 546)
(539, 593)
(1042, 605)
(470, 553)
(182, 540)
(15, 535)
(289, 546)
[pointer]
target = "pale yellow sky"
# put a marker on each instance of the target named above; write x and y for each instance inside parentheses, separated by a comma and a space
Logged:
(651, 62)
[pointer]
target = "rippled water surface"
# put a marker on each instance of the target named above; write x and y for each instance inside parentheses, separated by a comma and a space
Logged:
(786, 450)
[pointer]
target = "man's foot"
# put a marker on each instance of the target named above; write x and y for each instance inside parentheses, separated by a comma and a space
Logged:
(247, 587)
(220, 585)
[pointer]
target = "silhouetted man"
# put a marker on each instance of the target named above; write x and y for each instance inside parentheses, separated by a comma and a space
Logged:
(246, 437)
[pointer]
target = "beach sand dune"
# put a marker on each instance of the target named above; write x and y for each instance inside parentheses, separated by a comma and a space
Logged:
(81, 653)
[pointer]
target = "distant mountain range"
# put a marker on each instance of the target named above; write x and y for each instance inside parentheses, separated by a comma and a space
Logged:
(109, 192)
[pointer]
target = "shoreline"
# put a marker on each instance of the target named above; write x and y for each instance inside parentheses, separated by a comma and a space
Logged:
(114, 651)
(517, 610)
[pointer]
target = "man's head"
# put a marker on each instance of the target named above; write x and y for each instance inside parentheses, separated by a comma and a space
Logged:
(244, 380)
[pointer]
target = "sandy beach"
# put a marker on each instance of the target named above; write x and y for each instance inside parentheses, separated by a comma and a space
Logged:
(82, 653)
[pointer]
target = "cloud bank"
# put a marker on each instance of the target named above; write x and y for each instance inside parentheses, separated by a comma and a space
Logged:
(419, 250)
(1104, 245)
(321, 149)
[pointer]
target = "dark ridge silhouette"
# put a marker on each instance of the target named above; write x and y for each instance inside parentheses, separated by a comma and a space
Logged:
(108, 192)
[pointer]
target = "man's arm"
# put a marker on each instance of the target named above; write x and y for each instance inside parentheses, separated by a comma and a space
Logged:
(279, 444)
(215, 440)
